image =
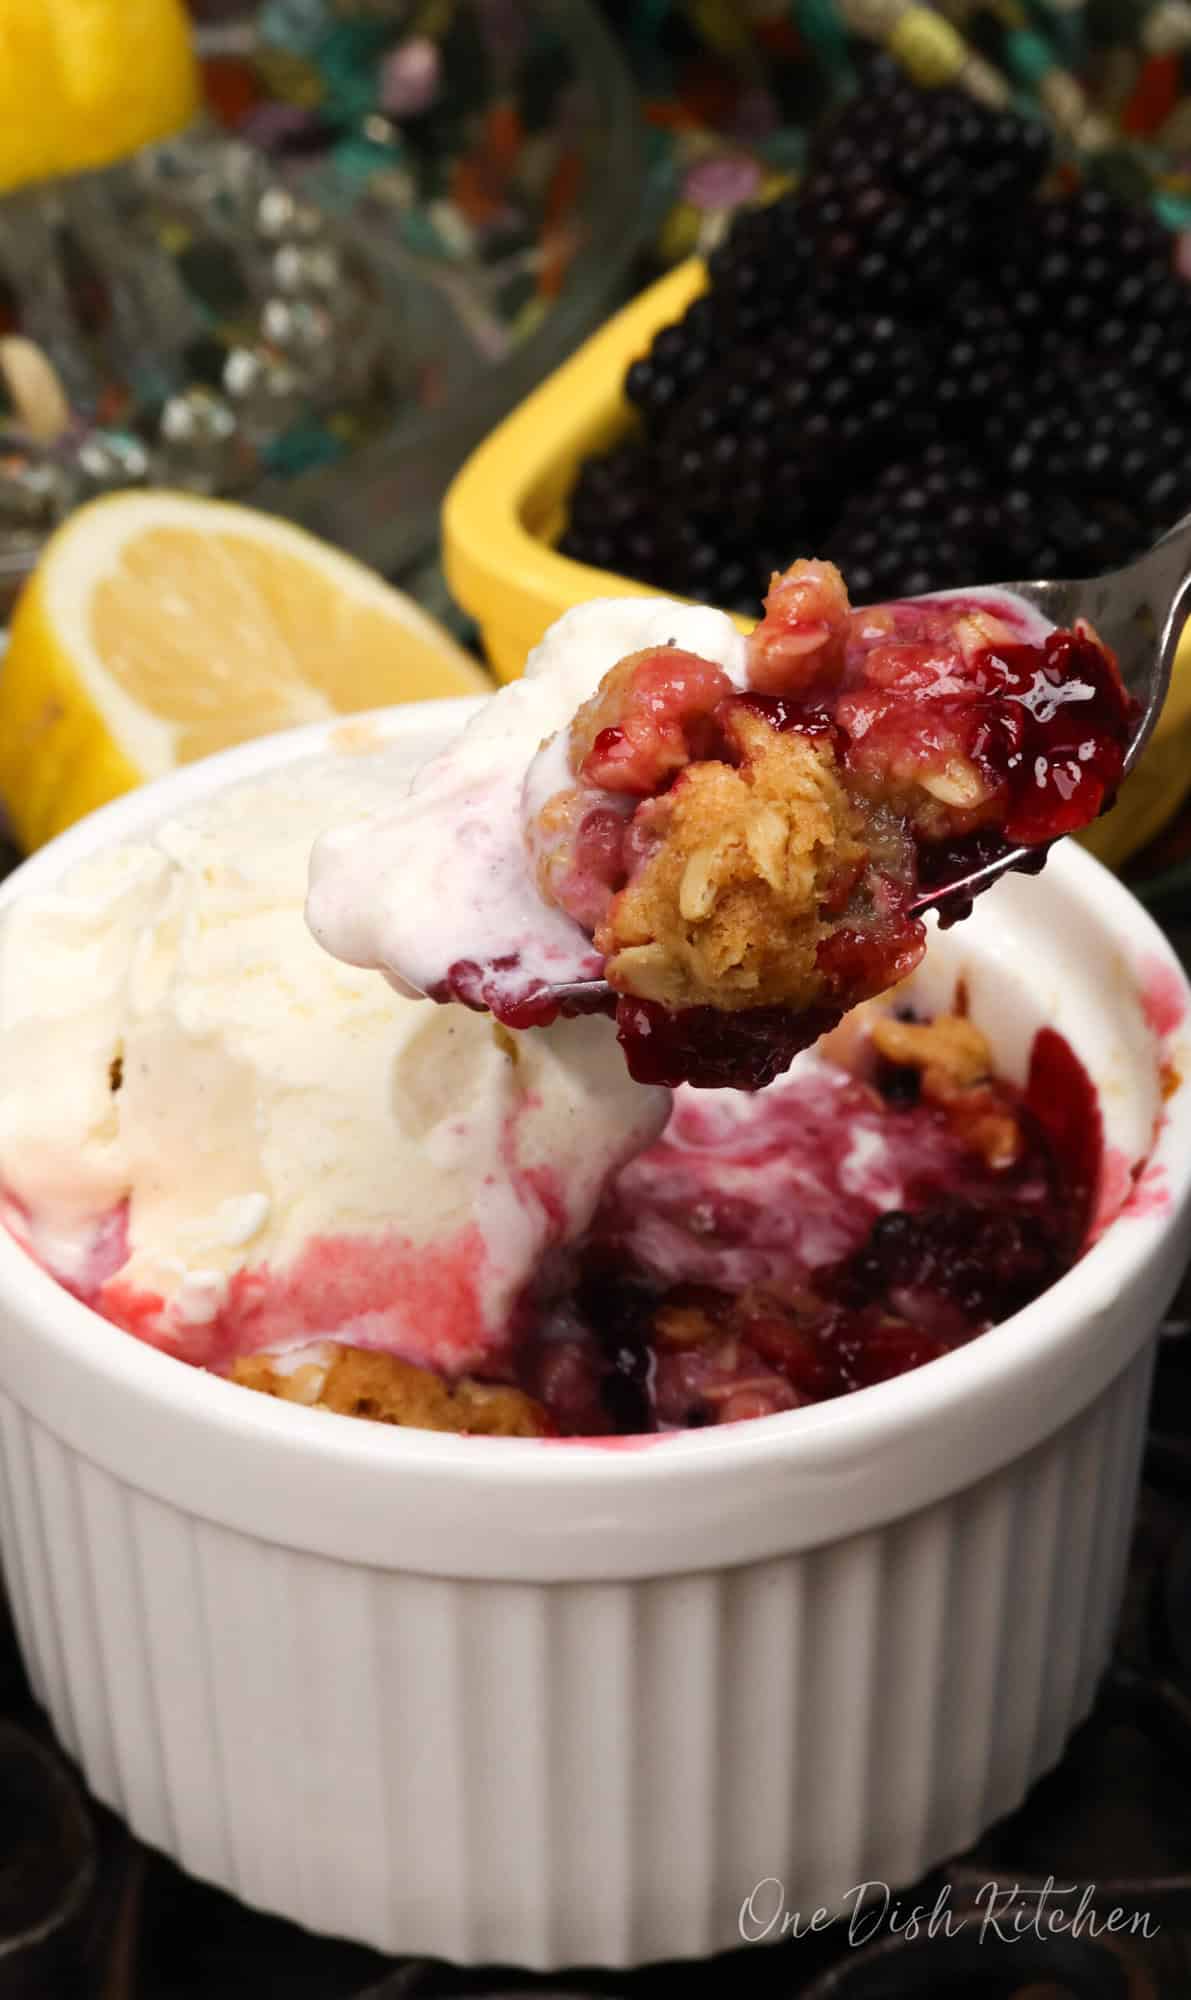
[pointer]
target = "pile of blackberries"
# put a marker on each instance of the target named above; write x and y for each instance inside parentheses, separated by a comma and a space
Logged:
(919, 365)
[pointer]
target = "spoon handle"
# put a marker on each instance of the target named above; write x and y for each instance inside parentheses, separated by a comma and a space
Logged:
(1165, 577)
(1164, 569)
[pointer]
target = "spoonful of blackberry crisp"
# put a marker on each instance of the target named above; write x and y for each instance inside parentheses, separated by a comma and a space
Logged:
(728, 842)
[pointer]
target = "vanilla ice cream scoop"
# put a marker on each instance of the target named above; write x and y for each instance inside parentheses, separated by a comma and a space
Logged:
(226, 1140)
(441, 879)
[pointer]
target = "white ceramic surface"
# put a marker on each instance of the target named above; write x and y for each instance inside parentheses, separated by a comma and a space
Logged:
(548, 1702)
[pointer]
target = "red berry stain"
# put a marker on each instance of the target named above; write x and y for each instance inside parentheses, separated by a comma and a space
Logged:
(1151, 1194)
(1163, 995)
(384, 1291)
(1062, 1098)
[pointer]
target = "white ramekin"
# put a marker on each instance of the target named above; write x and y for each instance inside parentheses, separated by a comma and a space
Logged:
(549, 1703)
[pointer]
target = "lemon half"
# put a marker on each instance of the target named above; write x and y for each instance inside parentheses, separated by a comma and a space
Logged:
(158, 628)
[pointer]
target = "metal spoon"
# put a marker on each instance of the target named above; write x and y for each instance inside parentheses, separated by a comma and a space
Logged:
(1139, 611)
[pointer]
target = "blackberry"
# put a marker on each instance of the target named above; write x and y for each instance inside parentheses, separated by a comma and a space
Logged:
(898, 559)
(1086, 538)
(975, 377)
(885, 97)
(999, 427)
(1028, 306)
(1117, 391)
(915, 362)
(1115, 336)
(698, 570)
(843, 150)
(613, 518)
(937, 560)
(1098, 463)
(975, 311)
(1167, 374)
(598, 479)
(651, 387)
(1092, 223)
(975, 525)
(901, 536)
(1143, 461)
(1168, 494)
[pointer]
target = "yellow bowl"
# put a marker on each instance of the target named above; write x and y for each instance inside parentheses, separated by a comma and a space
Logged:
(506, 508)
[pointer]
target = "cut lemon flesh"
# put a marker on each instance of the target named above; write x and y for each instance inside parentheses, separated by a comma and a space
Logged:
(158, 628)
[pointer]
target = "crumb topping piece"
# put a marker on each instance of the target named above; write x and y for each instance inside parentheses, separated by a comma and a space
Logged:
(800, 645)
(954, 1061)
(359, 1382)
(742, 864)
(950, 1052)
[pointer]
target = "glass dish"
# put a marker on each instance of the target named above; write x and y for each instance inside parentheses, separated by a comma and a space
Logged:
(383, 501)
(455, 353)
